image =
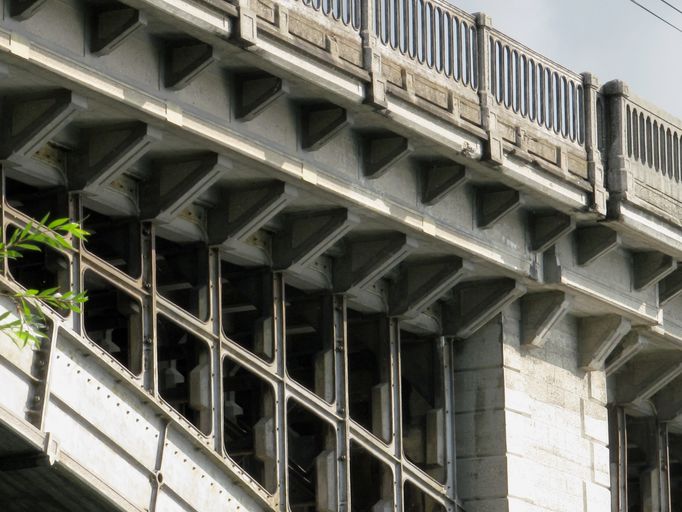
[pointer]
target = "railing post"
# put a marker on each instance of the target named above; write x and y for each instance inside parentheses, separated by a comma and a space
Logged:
(595, 168)
(618, 174)
(247, 23)
(493, 151)
(376, 92)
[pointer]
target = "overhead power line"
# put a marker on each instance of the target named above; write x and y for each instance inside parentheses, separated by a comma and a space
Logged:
(661, 18)
(673, 7)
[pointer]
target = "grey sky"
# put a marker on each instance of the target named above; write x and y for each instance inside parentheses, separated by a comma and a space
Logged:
(610, 38)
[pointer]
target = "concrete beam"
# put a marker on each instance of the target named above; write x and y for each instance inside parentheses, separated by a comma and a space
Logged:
(30, 121)
(23, 9)
(112, 25)
(598, 337)
(493, 203)
(383, 151)
(306, 235)
(670, 287)
(546, 228)
(650, 267)
(320, 123)
(422, 282)
(439, 179)
(243, 211)
(255, 92)
(668, 401)
(593, 242)
(475, 303)
(184, 61)
(368, 258)
(107, 152)
(175, 183)
(631, 345)
(540, 312)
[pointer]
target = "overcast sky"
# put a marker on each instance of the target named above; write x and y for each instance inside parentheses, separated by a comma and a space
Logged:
(610, 38)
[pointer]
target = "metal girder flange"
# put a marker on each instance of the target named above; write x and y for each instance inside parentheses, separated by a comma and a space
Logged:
(175, 183)
(475, 303)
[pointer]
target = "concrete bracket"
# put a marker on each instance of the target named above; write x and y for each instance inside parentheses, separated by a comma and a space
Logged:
(599, 336)
(175, 183)
(184, 61)
(23, 9)
(112, 25)
(381, 152)
(255, 92)
(592, 242)
(476, 303)
(245, 210)
(439, 179)
(422, 282)
(540, 312)
(30, 121)
(668, 401)
(107, 152)
(670, 287)
(636, 386)
(368, 258)
(320, 123)
(546, 228)
(493, 203)
(632, 345)
(307, 235)
(650, 267)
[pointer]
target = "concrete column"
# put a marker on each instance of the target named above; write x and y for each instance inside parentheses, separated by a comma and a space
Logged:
(531, 426)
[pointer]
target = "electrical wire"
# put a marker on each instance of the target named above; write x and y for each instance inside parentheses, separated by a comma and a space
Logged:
(673, 7)
(657, 15)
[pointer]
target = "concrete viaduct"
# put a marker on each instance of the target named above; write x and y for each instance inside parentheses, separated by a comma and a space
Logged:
(345, 255)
